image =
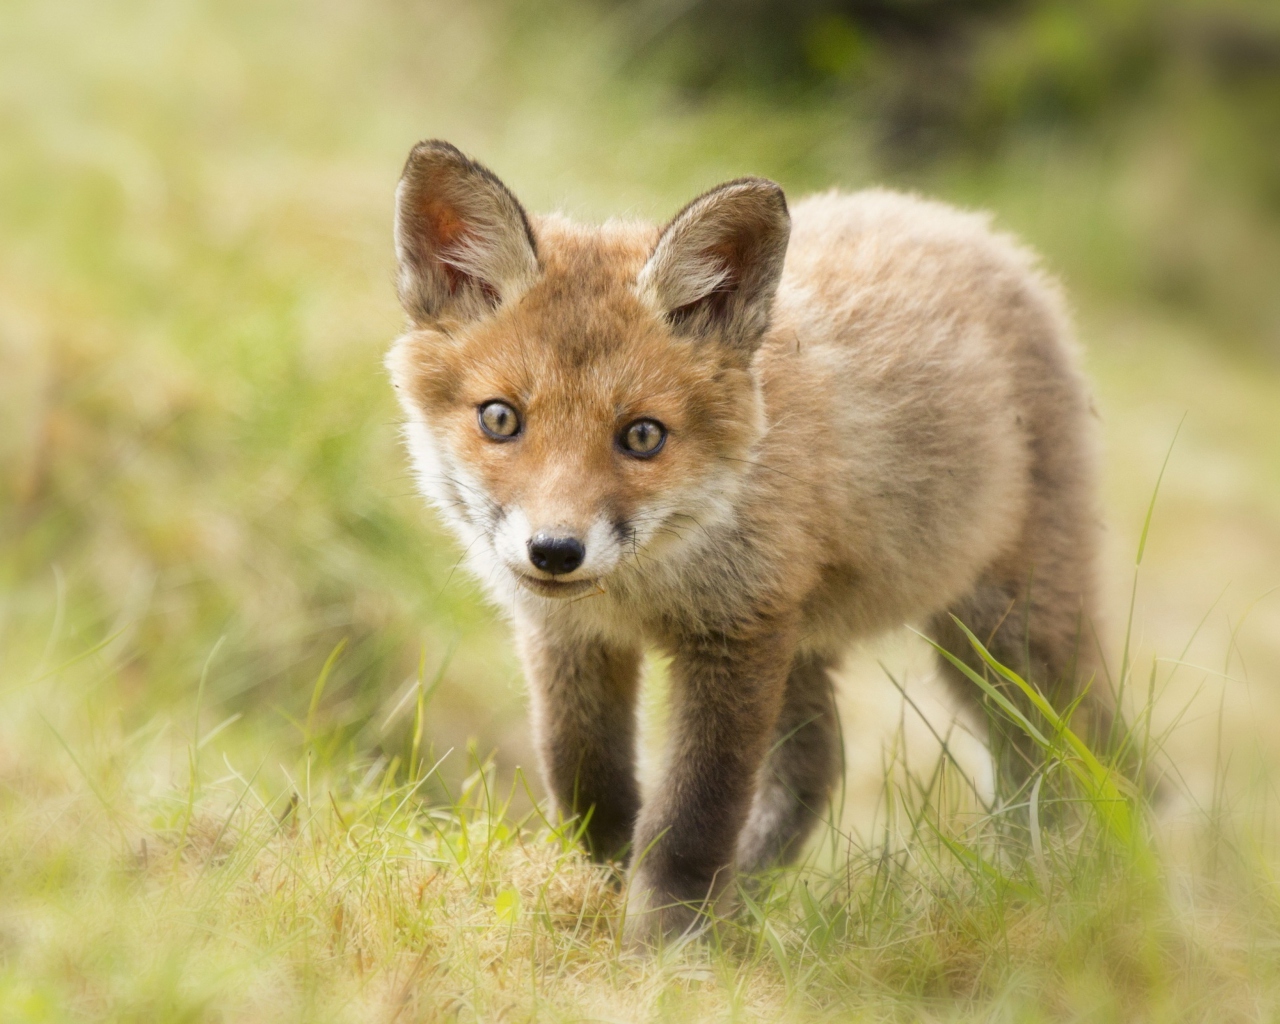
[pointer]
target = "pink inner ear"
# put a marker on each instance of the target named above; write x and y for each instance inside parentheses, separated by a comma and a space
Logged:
(444, 229)
(727, 256)
(733, 255)
(443, 222)
(447, 230)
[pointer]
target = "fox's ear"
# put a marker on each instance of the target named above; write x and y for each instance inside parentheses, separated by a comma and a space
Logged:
(716, 266)
(463, 241)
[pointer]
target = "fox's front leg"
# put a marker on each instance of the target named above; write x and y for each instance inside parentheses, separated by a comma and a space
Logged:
(727, 692)
(583, 694)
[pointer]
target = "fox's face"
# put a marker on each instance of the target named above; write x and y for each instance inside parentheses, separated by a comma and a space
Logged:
(580, 400)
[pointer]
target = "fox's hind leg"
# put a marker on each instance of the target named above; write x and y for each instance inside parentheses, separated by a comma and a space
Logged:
(1043, 633)
(803, 765)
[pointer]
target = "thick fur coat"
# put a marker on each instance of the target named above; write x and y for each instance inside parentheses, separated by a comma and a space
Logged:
(867, 411)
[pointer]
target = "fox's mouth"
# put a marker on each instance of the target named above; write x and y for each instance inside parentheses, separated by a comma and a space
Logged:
(556, 588)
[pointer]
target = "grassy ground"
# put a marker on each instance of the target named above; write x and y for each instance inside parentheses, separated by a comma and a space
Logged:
(207, 814)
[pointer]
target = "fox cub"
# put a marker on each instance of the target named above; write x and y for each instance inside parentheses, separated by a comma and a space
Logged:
(746, 439)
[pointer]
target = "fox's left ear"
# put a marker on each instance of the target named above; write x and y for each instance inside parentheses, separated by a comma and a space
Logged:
(715, 267)
(462, 239)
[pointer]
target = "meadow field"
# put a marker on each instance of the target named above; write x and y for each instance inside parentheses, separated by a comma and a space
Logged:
(263, 751)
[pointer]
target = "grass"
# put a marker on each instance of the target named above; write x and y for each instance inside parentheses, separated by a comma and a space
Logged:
(210, 810)
(332, 889)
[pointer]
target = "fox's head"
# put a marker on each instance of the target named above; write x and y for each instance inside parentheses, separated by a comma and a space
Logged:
(579, 399)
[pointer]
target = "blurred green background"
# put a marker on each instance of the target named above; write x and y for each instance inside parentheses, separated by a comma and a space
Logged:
(197, 440)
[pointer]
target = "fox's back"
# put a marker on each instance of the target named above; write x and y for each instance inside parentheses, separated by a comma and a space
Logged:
(919, 370)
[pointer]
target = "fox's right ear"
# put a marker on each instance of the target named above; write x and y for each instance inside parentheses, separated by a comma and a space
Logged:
(462, 240)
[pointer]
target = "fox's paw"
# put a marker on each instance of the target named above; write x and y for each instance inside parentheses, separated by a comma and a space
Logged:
(655, 919)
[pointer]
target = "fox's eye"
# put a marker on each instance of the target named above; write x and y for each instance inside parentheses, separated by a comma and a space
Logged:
(644, 438)
(499, 421)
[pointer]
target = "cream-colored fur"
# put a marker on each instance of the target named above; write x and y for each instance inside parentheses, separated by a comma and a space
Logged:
(887, 426)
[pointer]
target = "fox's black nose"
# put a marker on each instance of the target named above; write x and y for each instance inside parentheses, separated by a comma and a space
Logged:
(556, 555)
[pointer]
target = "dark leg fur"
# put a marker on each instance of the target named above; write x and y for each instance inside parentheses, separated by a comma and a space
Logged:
(728, 693)
(1035, 609)
(1047, 642)
(586, 697)
(797, 777)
